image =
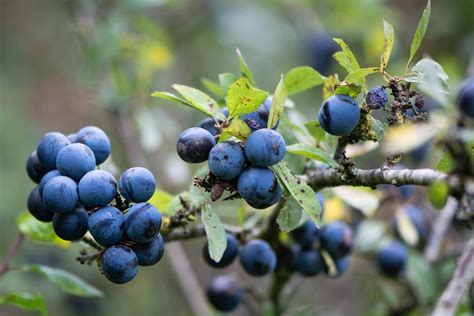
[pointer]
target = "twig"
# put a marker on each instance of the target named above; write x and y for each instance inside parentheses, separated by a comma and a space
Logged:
(373, 177)
(92, 243)
(459, 284)
(6, 261)
(439, 230)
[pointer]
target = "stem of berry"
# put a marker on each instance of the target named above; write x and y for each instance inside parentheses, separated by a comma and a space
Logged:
(6, 261)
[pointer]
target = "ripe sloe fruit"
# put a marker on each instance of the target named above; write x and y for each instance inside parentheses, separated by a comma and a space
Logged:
(309, 262)
(259, 118)
(391, 258)
(75, 161)
(265, 148)
(120, 264)
(336, 239)
(376, 98)
(151, 252)
(71, 226)
(224, 293)
(306, 235)
(36, 206)
(48, 148)
(257, 258)
(142, 222)
(107, 226)
(339, 115)
(194, 145)
(51, 174)
(226, 160)
(97, 140)
(97, 188)
(60, 195)
(137, 184)
(465, 98)
(229, 255)
(209, 124)
(259, 187)
(35, 169)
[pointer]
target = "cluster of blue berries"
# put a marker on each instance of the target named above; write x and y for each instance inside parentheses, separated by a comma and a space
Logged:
(335, 239)
(256, 258)
(392, 257)
(245, 166)
(78, 198)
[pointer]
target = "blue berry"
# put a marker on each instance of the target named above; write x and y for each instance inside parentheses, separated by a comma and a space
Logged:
(137, 184)
(60, 195)
(309, 262)
(376, 98)
(465, 98)
(119, 264)
(151, 252)
(96, 139)
(229, 255)
(265, 148)
(35, 169)
(339, 115)
(259, 118)
(226, 160)
(194, 145)
(107, 226)
(142, 222)
(391, 258)
(36, 206)
(75, 160)
(209, 124)
(257, 258)
(72, 137)
(415, 215)
(259, 187)
(321, 48)
(341, 265)
(49, 147)
(224, 293)
(71, 226)
(97, 188)
(306, 235)
(51, 174)
(336, 239)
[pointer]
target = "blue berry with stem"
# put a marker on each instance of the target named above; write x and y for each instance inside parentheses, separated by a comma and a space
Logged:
(119, 264)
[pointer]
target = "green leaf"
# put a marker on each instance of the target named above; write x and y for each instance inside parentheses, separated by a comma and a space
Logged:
(389, 37)
(330, 85)
(311, 152)
(445, 164)
(299, 190)
(244, 98)
(200, 100)
(358, 77)
(278, 101)
(160, 199)
(421, 276)
(290, 215)
(237, 128)
(350, 89)
(38, 231)
(346, 58)
(171, 97)
(379, 128)
(300, 79)
(214, 87)
(431, 79)
(369, 235)
(420, 32)
(67, 282)
(361, 198)
(315, 130)
(226, 79)
(244, 69)
(438, 193)
(24, 300)
(215, 232)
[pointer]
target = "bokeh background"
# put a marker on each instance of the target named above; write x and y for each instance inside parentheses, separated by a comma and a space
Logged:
(68, 64)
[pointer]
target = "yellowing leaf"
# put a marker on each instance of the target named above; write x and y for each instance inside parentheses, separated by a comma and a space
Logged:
(237, 128)
(244, 98)
(160, 200)
(388, 44)
(278, 101)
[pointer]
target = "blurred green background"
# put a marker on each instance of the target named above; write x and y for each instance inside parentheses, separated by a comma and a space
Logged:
(68, 64)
